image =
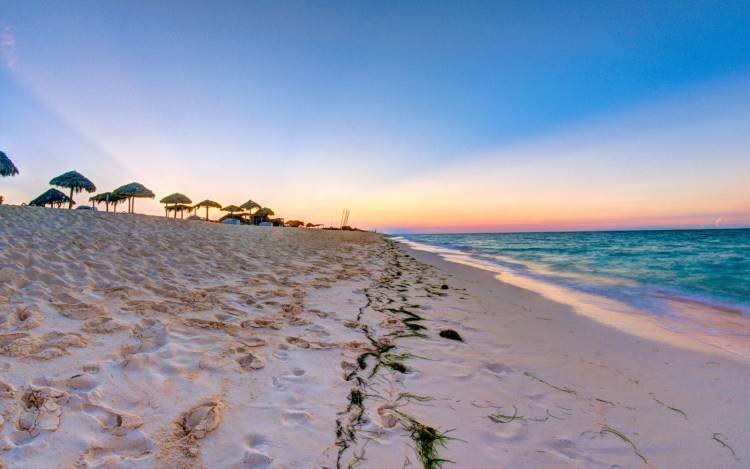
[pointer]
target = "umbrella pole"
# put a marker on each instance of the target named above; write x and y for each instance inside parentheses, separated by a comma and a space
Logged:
(206, 212)
(70, 204)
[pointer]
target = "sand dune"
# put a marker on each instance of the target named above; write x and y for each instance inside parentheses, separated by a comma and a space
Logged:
(135, 341)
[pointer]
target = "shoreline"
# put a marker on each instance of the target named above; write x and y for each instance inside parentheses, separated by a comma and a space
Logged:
(690, 324)
(144, 341)
(632, 378)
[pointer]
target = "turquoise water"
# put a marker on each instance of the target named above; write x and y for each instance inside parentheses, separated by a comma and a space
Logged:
(639, 268)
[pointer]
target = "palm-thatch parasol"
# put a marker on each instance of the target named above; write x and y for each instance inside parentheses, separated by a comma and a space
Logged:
(132, 191)
(7, 168)
(250, 205)
(108, 198)
(175, 199)
(75, 181)
(262, 214)
(53, 198)
(179, 208)
(208, 204)
(295, 223)
(231, 209)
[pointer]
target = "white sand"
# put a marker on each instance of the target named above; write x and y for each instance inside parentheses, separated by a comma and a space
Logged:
(134, 341)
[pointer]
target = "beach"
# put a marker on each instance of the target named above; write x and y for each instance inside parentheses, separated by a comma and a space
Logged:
(140, 341)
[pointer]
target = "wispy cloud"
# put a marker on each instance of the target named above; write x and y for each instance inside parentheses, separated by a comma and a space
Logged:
(8, 47)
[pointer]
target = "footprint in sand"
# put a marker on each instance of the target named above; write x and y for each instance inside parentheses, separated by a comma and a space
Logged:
(116, 422)
(81, 382)
(254, 457)
(201, 420)
(498, 369)
(293, 417)
(148, 336)
(254, 460)
(250, 362)
(117, 451)
(38, 411)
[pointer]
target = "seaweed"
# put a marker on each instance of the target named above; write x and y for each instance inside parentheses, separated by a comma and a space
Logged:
(503, 418)
(607, 429)
(536, 378)
(715, 437)
(673, 409)
(408, 397)
(427, 441)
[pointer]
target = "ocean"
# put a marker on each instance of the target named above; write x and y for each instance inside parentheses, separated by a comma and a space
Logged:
(649, 271)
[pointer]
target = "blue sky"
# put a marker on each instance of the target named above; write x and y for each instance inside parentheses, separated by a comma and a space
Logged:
(314, 107)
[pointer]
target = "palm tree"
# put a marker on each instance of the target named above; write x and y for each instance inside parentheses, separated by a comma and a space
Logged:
(108, 198)
(208, 204)
(75, 181)
(132, 191)
(175, 199)
(7, 168)
(51, 197)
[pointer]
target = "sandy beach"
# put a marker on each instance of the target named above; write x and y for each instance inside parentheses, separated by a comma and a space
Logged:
(139, 341)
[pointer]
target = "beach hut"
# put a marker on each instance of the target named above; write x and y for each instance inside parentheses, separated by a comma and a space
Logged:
(74, 181)
(175, 199)
(53, 198)
(207, 204)
(132, 191)
(7, 168)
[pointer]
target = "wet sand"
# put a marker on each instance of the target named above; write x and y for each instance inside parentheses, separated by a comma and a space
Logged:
(137, 341)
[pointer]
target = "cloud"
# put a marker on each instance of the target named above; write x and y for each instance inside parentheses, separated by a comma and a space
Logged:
(8, 47)
(717, 222)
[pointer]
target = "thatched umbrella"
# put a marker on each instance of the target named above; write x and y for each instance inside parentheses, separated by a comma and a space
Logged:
(75, 181)
(250, 205)
(231, 209)
(208, 204)
(262, 214)
(53, 198)
(175, 199)
(7, 168)
(295, 223)
(132, 191)
(179, 208)
(108, 198)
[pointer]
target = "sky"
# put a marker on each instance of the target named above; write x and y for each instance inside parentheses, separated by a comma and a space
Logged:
(416, 116)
